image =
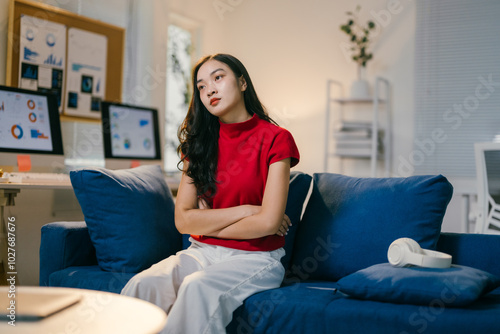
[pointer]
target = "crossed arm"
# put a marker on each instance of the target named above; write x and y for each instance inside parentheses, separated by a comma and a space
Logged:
(239, 222)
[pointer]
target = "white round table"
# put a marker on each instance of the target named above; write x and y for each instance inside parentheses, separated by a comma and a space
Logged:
(96, 312)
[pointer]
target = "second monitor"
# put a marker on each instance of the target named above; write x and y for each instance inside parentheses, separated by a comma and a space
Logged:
(131, 135)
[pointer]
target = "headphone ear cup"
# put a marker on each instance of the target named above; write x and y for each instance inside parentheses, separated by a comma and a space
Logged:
(412, 245)
(399, 250)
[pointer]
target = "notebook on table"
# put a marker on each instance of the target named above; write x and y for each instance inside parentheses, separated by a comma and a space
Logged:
(32, 304)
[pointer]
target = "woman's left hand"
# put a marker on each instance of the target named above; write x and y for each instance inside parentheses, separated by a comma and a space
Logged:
(285, 225)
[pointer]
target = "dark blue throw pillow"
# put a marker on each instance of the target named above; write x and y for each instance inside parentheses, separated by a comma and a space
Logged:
(129, 214)
(350, 222)
(457, 286)
(297, 194)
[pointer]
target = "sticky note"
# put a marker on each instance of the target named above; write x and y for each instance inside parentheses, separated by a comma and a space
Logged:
(23, 162)
(135, 163)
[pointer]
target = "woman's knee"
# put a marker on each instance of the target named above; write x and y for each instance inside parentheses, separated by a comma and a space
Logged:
(142, 283)
(195, 278)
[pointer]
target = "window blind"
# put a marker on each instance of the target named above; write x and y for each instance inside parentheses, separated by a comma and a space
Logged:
(457, 84)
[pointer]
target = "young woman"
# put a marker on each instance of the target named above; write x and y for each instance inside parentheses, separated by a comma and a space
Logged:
(231, 200)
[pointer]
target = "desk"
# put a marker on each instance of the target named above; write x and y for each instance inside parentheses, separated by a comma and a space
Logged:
(8, 192)
(97, 312)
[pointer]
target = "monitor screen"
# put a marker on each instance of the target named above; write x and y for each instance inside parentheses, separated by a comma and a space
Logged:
(130, 132)
(29, 122)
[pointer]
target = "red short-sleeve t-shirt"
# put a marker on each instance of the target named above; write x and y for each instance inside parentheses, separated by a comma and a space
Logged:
(246, 150)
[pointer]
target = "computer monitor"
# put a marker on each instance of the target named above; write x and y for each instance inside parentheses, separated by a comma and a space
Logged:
(131, 135)
(30, 131)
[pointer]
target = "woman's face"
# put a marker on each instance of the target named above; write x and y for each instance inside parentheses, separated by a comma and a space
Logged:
(221, 92)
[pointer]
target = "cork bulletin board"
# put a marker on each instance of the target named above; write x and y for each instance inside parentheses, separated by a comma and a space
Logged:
(77, 58)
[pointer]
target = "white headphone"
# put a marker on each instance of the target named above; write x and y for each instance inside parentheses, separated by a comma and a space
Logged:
(405, 251)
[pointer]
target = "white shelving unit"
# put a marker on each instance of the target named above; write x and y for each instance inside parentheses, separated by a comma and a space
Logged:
(359, 139)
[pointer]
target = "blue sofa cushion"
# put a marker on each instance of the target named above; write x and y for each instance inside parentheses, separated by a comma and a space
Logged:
(316, 307)
(351, 315)
(129, 214)
(296, 308)
(350, 222)
(90, 277)
(455, 286)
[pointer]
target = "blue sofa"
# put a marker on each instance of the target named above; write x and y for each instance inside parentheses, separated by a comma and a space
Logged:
(338, 279)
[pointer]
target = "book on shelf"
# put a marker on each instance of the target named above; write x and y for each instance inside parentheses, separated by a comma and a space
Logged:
(353, 141)
(354, 126)
(353, 151)
(356, 151)
(352, 135)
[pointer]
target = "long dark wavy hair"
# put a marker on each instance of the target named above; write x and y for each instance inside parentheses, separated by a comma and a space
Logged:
(199, 132)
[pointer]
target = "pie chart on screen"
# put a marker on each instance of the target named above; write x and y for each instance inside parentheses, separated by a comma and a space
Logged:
(31, 104)
(17, 131)
(32, 117)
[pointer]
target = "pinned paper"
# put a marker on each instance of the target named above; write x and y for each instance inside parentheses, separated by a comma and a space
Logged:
(135, 163)
(23, 162)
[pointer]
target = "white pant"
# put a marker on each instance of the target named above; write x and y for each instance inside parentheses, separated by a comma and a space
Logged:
(201, 286)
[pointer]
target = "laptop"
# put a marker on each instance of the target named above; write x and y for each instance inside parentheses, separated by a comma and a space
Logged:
(35, 303)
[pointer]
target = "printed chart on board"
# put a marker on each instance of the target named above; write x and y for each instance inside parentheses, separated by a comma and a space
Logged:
(42, 56)
(86, 73)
